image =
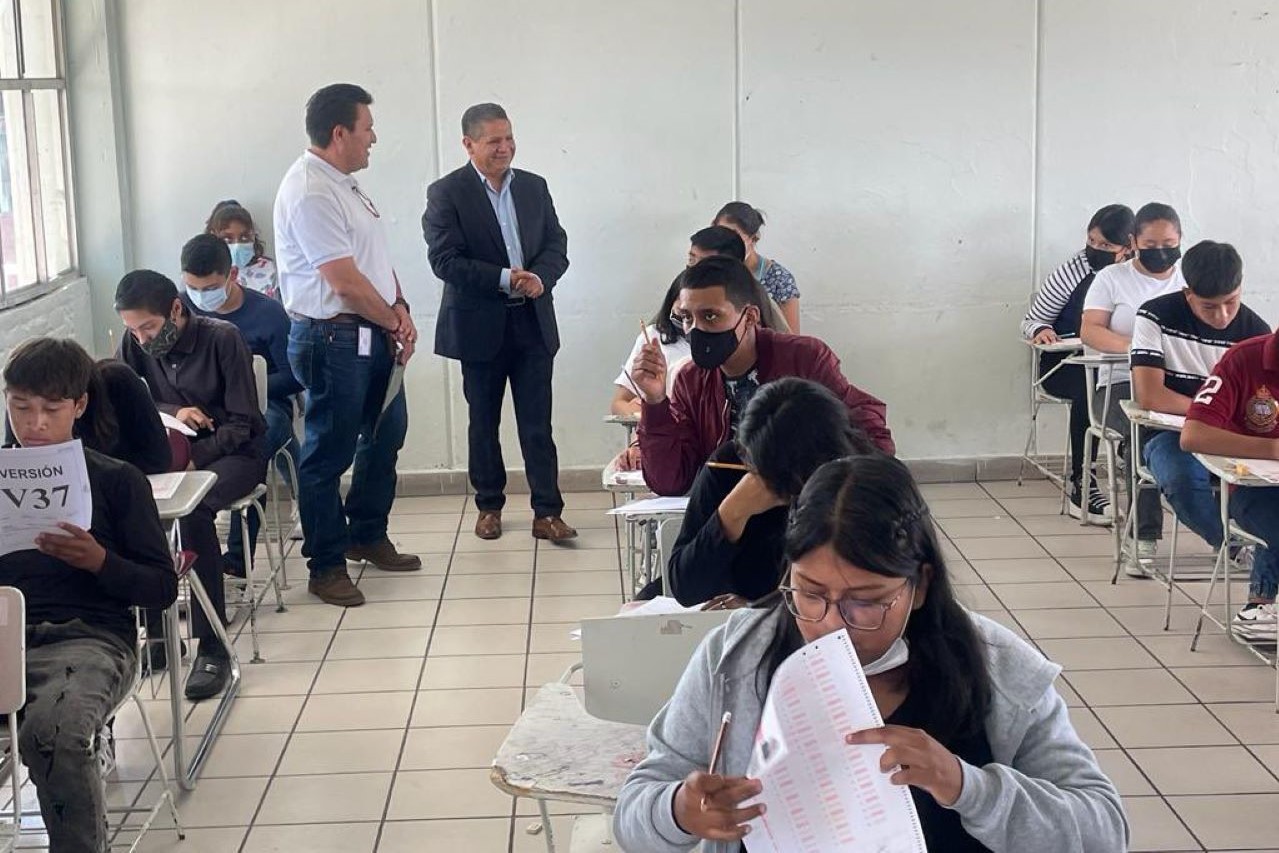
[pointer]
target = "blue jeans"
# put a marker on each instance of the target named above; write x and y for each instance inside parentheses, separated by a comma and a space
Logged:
(1186, 484)
(279, 434)
(344, 425)
(1256, 510)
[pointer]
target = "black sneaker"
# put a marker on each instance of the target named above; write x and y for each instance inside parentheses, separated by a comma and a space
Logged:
(1098, 506)
(210, 672)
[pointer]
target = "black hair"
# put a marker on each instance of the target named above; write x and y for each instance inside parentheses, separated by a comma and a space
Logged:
(60, 369)
(477, 115)
(1212, 269)
(229, 210)
(790, 428)
(741, 214)
(146, 290)
(335, 104)
(1155, 211)
(719, 240)
(1115, 222)
(667, 331)
(206, 254)
(739, 285)
(870, 511)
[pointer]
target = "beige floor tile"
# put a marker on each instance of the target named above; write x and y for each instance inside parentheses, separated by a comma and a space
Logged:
(432, 547)
(1061, 525)
(479, 640)
(1229, 822)
(997, 524)
(553, 637)
(1128, 687)
(1251, 722)
(342, 752)
(346, 797)
(608, 582)
(251, 715)
(1155, 827)
(1003, 617)
(545, 668)
(999, 548)
(452, 748)
(578, 501)
(1011, 490)
(977, 597)
(1213, 650)
(352, 643)
(1139, 726)
(1089, 568)
(568, 608)
(239, 755)
(302, 617)
(1229, 684)
(490, 586)
(436, 522)
(418, 836)
(128, 723)
(134, 762)
(391, 614)
(587, 538)
(425, 794)
(484, 611)
(1036, 596)
(488, 564)
(1080, 622)
(527, 841)
(163, 840)
(1204, 770)
(216, 802)
(1074, 545)
(952, 491)
(391, 587)
(943, 509)
(490, 706)
(433, 504)
(1126, 775)
(962, 573)
(473, 671)
(1149, 621)
(278, 679)
(1068, 693)
(1098, 653)
(1129, 592)
(368, 676)
(347, 712)
(1024, 570)
(591, 560)
(320, 838)
(515, 540)
(1090, 729)
(1029, 507)
(286, 647)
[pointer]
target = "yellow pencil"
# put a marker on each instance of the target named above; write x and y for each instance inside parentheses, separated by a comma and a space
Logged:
(728, 466)
(644, 331)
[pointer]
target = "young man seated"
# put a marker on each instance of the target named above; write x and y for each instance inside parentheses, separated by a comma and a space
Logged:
(79, 586)
(213, 289)
(732, 358)
(733, 532)
(1236, 413)
(200, 371)
(1177, 339)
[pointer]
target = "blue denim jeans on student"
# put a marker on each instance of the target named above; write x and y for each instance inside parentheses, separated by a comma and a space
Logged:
(1256, 510)
(344, 425)
(279, 434)
(1186, 484)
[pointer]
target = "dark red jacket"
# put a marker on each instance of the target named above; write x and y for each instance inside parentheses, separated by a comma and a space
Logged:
(678, 435)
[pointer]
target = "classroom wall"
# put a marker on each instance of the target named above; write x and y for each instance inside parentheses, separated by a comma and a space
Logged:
(64, 313)
(921, 163)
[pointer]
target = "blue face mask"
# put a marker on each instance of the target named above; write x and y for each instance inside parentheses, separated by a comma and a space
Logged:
(208, 300)
(241, 254)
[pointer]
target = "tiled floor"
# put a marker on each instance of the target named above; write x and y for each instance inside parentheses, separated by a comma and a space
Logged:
(373, 728)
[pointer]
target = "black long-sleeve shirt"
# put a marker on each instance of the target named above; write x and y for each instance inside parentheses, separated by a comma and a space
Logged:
(138, 571)
(704, 563)
(210, 367)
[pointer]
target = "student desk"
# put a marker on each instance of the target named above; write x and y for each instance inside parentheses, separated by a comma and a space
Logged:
(192, 488)
(1097, 431)
(1039, 398)
(644, 521)
(630, 422)
(556, 751)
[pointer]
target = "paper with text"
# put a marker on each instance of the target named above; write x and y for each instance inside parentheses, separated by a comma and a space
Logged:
(39, 487)
(822, 794)
(651, 506)
(1262, 469)
(1178, 421)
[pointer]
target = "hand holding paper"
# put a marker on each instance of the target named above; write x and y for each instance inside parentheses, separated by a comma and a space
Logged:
(44, 490)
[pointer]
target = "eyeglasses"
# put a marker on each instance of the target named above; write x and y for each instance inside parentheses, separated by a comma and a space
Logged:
(682, 321)
(858, 615)
(366, 201)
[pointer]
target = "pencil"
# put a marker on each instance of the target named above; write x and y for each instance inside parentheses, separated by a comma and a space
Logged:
(719, 741)
(728, 466)
(644, 331)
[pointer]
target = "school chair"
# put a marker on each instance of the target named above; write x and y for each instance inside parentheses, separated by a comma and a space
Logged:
(1100, 441)
(1030, 456)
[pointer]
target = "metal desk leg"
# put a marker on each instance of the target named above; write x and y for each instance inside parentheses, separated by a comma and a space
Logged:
(546, 826)
(1221, 563)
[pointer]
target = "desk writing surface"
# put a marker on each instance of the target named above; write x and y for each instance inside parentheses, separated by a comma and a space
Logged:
(624, 420)
(556, 751)
(187, 495)
(1151, 419)
(1059, 345)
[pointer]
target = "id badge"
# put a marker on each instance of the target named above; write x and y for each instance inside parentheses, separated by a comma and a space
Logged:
(365, 346)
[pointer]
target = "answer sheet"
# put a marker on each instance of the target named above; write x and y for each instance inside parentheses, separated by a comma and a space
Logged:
(822, 794)
(39, 487)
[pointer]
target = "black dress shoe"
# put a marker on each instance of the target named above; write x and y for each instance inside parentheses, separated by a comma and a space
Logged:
(209, 674)
(159, 653)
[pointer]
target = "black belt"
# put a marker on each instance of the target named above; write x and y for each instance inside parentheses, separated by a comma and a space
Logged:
(516, 303)
(343, 319)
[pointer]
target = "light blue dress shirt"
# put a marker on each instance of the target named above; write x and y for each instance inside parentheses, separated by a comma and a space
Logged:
(504, 208)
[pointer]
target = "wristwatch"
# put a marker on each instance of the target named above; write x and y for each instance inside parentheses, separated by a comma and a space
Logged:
(400, 301)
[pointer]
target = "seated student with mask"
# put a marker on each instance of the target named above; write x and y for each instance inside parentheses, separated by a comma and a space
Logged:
(200, 371)
(79, 588)
(732, 535)
(973, 723)
(213, 289)
(732, 358)
(1177, 340)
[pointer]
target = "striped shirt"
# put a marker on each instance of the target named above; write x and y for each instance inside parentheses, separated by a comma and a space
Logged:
(1169, 336)
(1051, 300)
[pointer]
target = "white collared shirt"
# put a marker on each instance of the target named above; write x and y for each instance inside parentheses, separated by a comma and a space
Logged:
(322, 215)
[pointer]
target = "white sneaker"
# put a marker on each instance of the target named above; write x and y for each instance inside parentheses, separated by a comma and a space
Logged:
(1135, 566)
(106, 752)
(295, 535)
(1256, 621)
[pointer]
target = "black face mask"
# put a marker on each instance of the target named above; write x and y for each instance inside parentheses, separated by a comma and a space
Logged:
(1098, 259)
(712, 349)
(1159, 260)
(159, 346)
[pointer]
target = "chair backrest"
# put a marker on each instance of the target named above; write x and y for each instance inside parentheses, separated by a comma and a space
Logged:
(259, 376)
(13, 650)
(179, 450)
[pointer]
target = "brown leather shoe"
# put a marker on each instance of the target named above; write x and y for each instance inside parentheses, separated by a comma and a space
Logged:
(488, 525)
(334, 587)
(384, 556)
(553, 529)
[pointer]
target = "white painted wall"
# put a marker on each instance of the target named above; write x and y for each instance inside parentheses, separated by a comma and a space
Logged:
(64, 313)
(920, 162)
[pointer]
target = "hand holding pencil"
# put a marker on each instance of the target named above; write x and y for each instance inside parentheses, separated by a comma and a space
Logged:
(648, 370)
(707, 804)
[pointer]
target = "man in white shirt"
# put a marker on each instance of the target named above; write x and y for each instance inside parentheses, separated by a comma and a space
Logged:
(350, 325)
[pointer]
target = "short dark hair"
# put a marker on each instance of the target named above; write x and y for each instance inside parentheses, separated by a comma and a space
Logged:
(719, 240)
(146, 290)
(478, 114)
(1155, 211)
(205, 254)
(53, 368)
(335, 104)
(1212, 269)
(729, 273)
(741, 214)
(1115, 222)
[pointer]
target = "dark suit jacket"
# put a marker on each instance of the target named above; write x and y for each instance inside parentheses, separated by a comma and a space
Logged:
(466, 251)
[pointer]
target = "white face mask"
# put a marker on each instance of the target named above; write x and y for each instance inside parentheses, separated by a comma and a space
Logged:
(241, 254)
(898, 653)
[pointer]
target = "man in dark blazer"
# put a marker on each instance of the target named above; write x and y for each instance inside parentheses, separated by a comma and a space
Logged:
(494, 240)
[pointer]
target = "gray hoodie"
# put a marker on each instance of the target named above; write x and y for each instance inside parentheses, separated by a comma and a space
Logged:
(1044, 792)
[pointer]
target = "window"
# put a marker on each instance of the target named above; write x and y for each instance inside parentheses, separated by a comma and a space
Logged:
(36, 217)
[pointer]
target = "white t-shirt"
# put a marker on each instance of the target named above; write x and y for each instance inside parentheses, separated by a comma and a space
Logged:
(322, 215)
(675, 353)
(1121, 290)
